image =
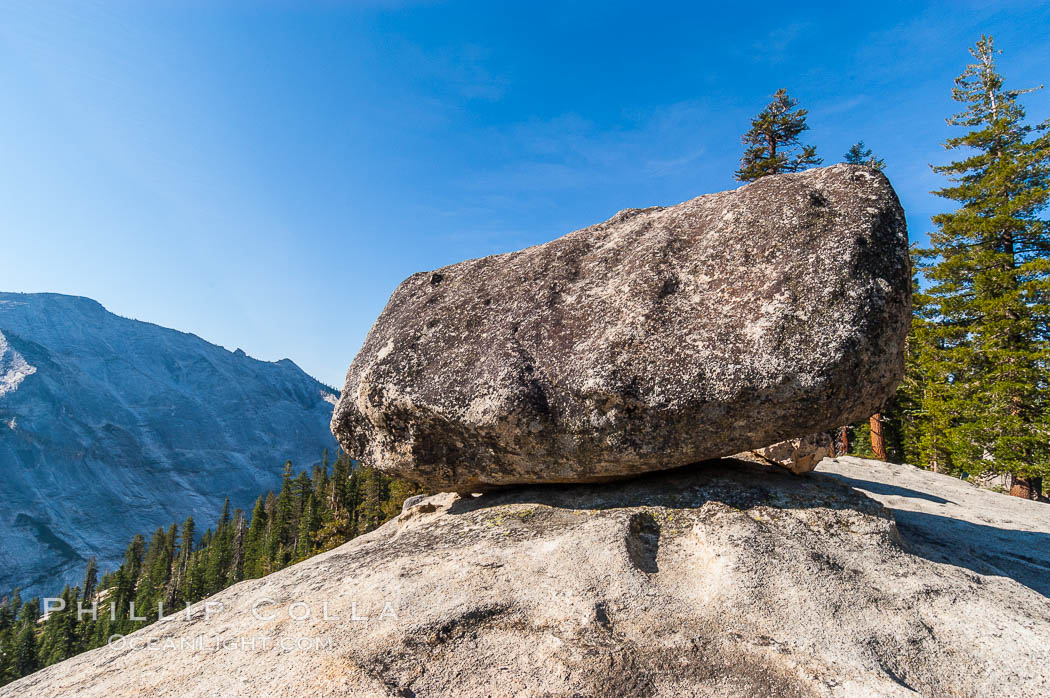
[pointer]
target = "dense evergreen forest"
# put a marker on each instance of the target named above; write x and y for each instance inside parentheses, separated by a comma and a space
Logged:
(179, 566)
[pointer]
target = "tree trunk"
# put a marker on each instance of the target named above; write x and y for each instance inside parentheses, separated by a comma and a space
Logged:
(878, 444)
(1026, 488)
(843, 440)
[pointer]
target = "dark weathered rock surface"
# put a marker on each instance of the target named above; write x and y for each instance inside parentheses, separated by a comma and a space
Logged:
(727, 580)
(660, 337)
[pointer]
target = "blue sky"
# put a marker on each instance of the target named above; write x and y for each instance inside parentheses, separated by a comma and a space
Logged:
(264, 174)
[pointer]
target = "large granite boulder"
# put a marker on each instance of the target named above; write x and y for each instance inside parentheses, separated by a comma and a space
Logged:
(658, 338)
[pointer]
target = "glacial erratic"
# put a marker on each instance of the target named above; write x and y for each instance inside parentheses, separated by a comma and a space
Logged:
(661, 337)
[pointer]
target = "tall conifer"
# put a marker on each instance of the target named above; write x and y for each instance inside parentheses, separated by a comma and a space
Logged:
(989, 294)
(90, 580)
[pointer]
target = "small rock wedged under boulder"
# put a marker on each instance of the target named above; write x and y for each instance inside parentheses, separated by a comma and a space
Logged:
(660, 337)
(800, 456)
(727, 580)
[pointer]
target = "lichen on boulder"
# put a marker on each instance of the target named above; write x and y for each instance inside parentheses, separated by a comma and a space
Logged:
(661, 337)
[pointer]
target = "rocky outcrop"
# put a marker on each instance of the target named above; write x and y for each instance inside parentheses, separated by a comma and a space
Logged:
(661, 337)
(728, 579)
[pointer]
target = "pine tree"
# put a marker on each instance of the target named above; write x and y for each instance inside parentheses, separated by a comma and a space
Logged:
(772, 145)
(90, 580)
(8, 640)
(26, 660)
(219, 553)
(989, 295)
(127, 578)
(859, 155)
(155, 573)
(7, 614)
(239, 527)
(199, 559)
(340, 480)
(177, 585)
(282, 525)
(30, 612)
(59, 638)
(308, 525)
(321, 478)
(48, 643)
(133, 556)
(255, 542)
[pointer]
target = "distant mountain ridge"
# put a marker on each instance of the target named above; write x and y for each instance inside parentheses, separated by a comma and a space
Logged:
(111, 427)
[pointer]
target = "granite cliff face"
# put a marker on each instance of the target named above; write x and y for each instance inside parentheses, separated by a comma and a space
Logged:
(660, 337)
(727, 579)
(111, 427)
